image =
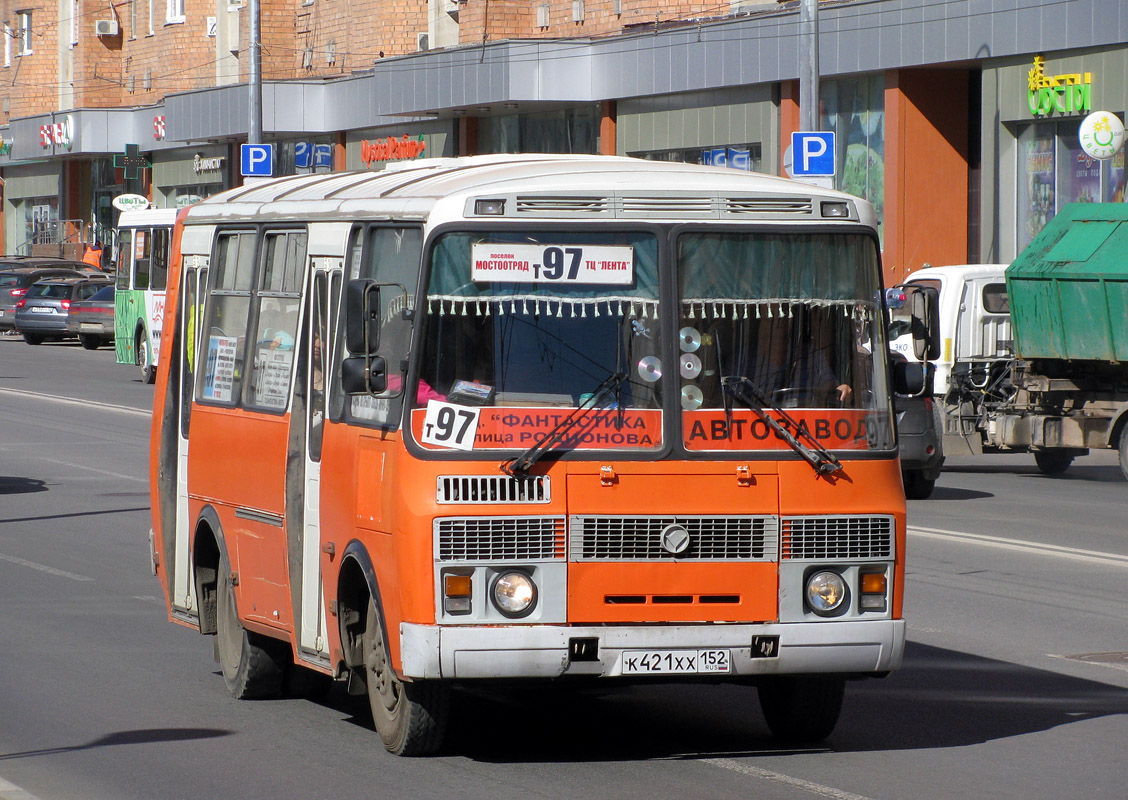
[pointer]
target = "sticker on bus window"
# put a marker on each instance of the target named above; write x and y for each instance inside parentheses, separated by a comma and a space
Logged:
(552, 263)
(219, 375)
(273, 377)
(450, 425)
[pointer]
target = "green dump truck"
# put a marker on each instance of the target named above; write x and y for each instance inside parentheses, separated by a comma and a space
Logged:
(1066, 389)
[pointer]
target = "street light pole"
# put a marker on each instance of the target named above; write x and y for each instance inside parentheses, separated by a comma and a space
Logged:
(809, 65)
(254, 45)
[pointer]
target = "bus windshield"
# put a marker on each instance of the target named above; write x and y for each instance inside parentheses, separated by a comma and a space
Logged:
(795, 315)
(540, 320)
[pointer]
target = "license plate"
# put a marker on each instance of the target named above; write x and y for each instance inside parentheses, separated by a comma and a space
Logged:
(90, 326)
(42, 310)
(675, 662)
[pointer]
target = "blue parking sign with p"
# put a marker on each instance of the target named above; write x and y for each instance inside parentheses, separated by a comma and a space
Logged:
(812, 153)
(257, 160)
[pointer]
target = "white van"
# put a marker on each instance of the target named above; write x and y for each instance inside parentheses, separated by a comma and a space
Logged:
(974, 316)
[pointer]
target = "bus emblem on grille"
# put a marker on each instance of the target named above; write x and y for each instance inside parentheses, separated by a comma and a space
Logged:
(675, 539)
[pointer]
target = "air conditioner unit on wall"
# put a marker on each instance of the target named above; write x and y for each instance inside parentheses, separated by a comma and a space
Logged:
(105, 27)
(422, 41)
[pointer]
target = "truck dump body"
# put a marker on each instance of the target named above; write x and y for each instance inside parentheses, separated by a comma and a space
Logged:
(1069, 288)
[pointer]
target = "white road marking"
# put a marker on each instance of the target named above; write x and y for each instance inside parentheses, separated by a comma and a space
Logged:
(9, 791)
(99, 470)
(73, 402)
(778, 777)
(62, 573)
(1019, 545)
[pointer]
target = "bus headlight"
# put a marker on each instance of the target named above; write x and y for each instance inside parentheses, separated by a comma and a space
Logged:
(826, 592)
(514, 594)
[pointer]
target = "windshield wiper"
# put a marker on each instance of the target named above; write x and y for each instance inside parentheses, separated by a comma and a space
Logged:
(520, 465)
(752, 396)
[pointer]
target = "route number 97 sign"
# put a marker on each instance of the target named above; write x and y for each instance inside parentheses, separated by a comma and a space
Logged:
(552, 263)
(450, 425)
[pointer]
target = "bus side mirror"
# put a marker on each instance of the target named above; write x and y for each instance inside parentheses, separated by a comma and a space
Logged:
(362, 316)
(913, 378)
(364, 375)
(925, 305)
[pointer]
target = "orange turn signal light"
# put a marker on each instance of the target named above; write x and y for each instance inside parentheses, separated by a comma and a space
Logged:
(873, 583)
(458, 586)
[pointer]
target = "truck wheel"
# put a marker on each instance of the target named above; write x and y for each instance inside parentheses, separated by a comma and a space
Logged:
(917, 487)
(1124, 452)
(410, 716)
(252, 664)
(1053, 462)
(148, 371)
(801, 709)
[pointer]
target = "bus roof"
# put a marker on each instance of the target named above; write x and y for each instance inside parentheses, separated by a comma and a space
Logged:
(139, 218)
(533, 186)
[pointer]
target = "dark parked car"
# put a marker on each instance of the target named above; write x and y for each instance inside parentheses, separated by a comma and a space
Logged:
(16, 275)
(92, 319)
(43, 311)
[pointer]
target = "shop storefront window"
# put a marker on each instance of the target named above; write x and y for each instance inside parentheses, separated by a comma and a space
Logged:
(855, 110)
(571, 130)
(41, 220)
(747, 156)
(1053, 170)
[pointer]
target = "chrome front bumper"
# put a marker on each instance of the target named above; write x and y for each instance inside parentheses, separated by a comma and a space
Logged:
(541, 651)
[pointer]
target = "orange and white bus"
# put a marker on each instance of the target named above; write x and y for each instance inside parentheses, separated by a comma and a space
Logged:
(531, 417)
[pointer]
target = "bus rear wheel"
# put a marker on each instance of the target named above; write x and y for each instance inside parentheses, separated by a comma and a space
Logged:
(802, 709)
(252, 665)
(148, 370)
(410, 716)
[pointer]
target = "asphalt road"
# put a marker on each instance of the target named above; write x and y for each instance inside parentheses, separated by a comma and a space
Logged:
(1015, 683)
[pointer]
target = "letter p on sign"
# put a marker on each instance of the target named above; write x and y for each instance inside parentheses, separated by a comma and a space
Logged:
(812, 153)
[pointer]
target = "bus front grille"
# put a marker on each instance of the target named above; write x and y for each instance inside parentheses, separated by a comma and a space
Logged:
(836, 537)
(493, 489)
(499, 538)
(623, 538)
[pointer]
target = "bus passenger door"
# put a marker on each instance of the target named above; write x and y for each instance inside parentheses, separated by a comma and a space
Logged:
(323, 301)
(195, 278)
(123, 298)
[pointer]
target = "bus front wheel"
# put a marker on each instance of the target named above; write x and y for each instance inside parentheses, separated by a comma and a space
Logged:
(409, 716)
(252, 664)
(148, 370)
(802, 709)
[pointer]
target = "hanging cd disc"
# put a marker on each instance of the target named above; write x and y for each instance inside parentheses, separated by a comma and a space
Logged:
(690, 366)
(689, 339)
(650, 369)
(691, 398)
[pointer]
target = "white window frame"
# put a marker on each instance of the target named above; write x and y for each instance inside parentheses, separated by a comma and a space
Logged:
(174, 12)
(24, 26)
(132, 19)
(74, 23)
(8, 36)
(151, 17)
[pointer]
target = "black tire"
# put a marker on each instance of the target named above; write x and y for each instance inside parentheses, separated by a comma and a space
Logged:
(1053, 462)
(90, 341)
(410, 716)
(253, 665)
(148, 370)
(802, 709)
(917, 487)
(1124, 452)
(34, 338)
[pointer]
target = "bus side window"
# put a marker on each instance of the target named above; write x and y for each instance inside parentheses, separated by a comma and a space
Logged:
(224, 337)
(124, 257)
(276, 330)
(391, 255)
(158, 265)
(142, 248)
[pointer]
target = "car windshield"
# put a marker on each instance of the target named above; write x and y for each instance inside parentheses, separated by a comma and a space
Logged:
(532, 325)
(796, 316)
(52, 290)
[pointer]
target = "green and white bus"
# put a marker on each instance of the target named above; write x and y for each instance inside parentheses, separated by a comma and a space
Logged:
(144, 238)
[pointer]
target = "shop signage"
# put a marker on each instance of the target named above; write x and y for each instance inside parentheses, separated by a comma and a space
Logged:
(203, 164)
(1061, 94)
(1101, 134)
(159, 127)
(130, 202)
(60, 133)
(5, 147)
(391, 149)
